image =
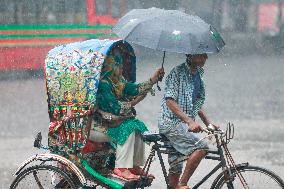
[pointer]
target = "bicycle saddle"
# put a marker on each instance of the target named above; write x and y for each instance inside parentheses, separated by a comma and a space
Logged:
(153, 137)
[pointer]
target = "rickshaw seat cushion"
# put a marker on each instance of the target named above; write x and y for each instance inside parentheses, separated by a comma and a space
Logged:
(92, 147)
(153, 137)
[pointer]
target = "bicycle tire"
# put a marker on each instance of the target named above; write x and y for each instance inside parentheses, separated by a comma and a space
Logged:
(65, 180)
(250, 173)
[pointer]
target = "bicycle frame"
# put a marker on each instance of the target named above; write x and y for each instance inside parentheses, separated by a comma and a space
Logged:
(160, 148)
(217, 155)
(229, 169)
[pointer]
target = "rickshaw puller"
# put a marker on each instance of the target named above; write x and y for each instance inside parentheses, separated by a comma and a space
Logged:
(183, 98)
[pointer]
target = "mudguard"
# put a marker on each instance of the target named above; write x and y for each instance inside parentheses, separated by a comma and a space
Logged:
(53, 157)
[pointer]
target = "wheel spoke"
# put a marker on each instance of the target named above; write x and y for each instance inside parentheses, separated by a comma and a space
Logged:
(254, 177)
(37, 180)
(42, 176)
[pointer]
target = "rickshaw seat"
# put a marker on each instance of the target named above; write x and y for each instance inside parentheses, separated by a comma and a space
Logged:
(154, 137)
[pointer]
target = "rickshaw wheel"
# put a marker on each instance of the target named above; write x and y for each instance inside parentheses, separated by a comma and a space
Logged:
(43, 176)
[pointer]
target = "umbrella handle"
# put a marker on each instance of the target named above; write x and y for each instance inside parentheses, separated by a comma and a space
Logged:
(160, 76)
(158, 87)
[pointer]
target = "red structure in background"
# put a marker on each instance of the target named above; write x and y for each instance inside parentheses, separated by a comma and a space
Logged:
(22, 58)
(24, 47)
(91, 12)
(108, 18)
(268, 18)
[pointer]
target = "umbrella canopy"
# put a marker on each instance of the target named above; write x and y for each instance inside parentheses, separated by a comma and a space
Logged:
(169, 30)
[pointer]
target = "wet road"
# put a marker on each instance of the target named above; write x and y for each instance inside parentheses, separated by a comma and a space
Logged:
(247, 91)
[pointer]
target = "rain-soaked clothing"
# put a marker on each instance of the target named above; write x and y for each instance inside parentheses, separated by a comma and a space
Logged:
(114, 95)
(183, 142)
(108, 102)
(179, 86)
(189, 92)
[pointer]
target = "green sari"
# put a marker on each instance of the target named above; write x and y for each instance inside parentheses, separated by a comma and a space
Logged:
(114, 95)
(107, 101)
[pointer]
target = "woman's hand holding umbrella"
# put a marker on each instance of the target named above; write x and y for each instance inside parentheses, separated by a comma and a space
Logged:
(158, 75)
(154, 79)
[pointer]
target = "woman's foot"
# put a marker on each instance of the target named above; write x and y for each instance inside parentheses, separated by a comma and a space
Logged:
(182, 187)
(139, 171)
(125, 173)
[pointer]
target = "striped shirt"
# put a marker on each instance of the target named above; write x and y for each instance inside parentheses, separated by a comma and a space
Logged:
(180, 85)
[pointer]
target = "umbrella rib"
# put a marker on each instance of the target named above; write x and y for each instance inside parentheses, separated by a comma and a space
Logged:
(159, 41)
(132, 31)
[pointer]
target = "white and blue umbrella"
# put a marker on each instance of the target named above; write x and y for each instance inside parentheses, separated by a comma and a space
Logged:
(169, 30)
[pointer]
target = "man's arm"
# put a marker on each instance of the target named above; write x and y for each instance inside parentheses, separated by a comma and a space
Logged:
(203, 117)
(174, 107)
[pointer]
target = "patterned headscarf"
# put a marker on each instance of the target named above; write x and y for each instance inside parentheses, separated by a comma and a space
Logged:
(113, 61)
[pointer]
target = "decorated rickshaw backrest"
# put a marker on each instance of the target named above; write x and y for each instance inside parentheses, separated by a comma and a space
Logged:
(72, 78)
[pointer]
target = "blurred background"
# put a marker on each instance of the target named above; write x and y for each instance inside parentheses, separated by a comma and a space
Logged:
(29, 28)
(244, 83)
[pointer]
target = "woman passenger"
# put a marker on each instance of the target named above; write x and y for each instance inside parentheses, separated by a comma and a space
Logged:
(118, 97)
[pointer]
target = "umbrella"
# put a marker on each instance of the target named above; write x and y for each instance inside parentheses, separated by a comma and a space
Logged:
(169, 30)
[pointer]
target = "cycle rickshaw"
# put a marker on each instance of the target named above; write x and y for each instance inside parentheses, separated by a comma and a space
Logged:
(72, 78)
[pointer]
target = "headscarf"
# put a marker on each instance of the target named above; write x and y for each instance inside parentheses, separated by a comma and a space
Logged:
(112, 62)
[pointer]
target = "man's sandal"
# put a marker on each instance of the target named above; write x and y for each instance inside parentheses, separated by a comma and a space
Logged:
(119, 172)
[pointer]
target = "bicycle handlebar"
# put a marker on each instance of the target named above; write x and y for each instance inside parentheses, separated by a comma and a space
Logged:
(211, 131)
